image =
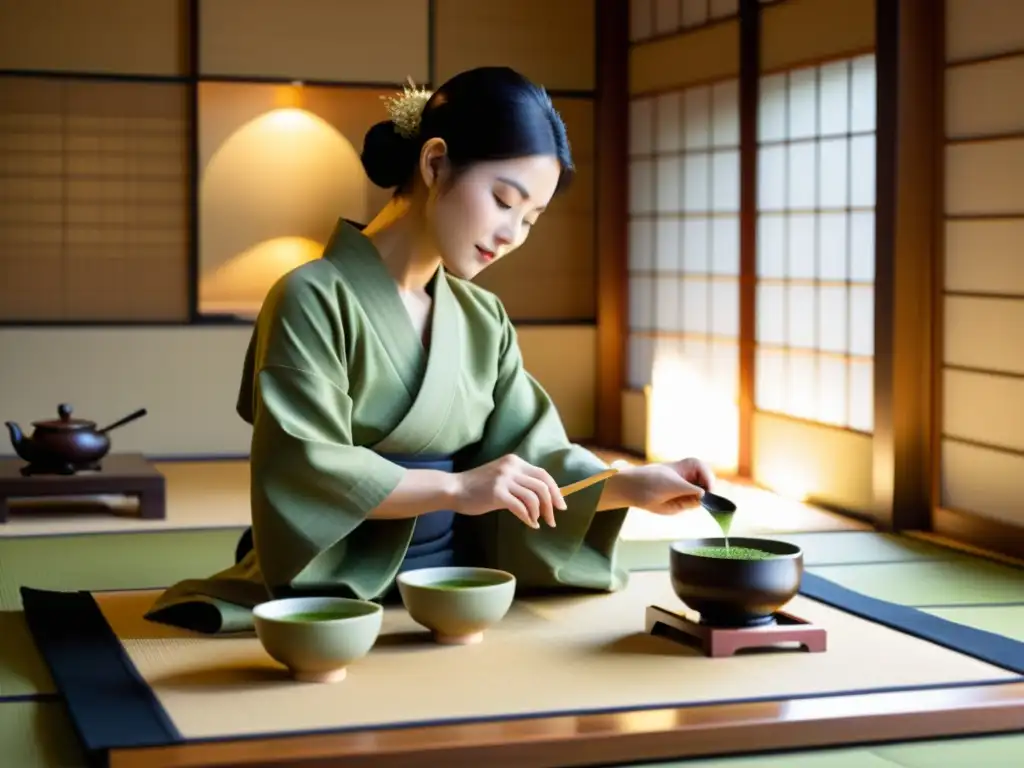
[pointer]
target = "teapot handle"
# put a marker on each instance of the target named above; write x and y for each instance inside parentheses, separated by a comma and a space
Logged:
(121, 422)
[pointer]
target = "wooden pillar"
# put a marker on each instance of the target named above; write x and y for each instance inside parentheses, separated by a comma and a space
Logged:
(750, 78)
(908, 215)
(611, 209)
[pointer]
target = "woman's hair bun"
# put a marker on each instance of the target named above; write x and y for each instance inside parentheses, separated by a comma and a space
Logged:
(388, 157)
(481, 115)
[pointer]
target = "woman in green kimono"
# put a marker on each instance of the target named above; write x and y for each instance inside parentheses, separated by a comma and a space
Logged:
(393, 423)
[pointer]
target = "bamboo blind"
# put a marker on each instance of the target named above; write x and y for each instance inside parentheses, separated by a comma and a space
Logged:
(94, 200)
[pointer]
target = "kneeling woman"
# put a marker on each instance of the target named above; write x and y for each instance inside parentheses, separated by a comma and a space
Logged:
(394, 425)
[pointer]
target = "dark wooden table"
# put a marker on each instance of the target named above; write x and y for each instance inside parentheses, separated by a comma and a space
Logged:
(122, 474)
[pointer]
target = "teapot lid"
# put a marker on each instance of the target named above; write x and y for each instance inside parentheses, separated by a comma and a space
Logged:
(65, 422)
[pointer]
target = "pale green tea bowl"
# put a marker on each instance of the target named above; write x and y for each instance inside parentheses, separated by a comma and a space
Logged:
(457, 604)
(317, 638)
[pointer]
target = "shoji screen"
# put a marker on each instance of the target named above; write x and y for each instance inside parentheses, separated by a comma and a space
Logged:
(815, 251)
(815, 243)
(684, 232)
(652, 18)
(983, 355)
(684, 229)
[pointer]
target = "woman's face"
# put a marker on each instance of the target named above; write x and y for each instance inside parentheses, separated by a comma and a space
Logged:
(489, 210)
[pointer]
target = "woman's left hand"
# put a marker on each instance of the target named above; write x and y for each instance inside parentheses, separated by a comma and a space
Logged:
(671, 487)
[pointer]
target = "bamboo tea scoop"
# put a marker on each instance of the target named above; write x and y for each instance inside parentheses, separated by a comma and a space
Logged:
(586, 482)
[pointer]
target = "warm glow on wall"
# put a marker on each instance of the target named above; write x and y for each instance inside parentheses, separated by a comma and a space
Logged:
(270, 195)
(290, 97)
(687, 415)
(788, 479)
(232, 287)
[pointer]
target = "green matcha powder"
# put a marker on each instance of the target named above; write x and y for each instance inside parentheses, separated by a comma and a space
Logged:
(724, 520)
(731, 553)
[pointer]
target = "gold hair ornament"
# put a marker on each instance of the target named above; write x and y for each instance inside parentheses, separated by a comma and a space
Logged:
(406, 108)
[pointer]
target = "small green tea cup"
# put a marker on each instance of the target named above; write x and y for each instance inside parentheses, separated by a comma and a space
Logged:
(317, 638)
(457, 604)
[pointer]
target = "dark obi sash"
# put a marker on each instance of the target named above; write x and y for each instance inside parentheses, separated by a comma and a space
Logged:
(433, 537)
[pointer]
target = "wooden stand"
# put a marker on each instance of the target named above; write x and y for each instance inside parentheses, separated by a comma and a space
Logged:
(721, 641)
(127, 474)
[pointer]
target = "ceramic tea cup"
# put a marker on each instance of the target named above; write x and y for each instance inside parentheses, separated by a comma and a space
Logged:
(317, 638)
(457, 604)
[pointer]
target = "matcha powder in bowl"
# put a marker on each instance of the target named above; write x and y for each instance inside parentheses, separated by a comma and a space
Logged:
(731, 553)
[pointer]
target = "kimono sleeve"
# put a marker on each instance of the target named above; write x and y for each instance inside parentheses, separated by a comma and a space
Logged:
(580, 551)
(311, 485)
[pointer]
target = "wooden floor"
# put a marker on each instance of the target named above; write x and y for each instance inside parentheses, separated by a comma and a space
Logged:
(215, 494)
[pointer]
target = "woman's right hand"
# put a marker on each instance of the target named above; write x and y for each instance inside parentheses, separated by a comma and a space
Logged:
(511, 483)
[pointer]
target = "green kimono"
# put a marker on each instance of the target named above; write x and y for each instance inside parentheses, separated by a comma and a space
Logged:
(336, 378)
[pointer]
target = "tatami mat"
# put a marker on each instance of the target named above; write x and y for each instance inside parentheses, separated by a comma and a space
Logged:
(903, 570)
(758, 512)
(37, 735)
(22, 670)
(110, 561)
(840, 758)
(204, 495)
(981, 752)
(957, 581)
(820, 549)
(137, 561)
(1006, 620)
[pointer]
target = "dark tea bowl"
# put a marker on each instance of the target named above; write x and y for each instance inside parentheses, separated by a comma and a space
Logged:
(732, 592)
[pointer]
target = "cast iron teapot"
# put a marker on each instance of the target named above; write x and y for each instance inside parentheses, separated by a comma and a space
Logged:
(65, 444)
